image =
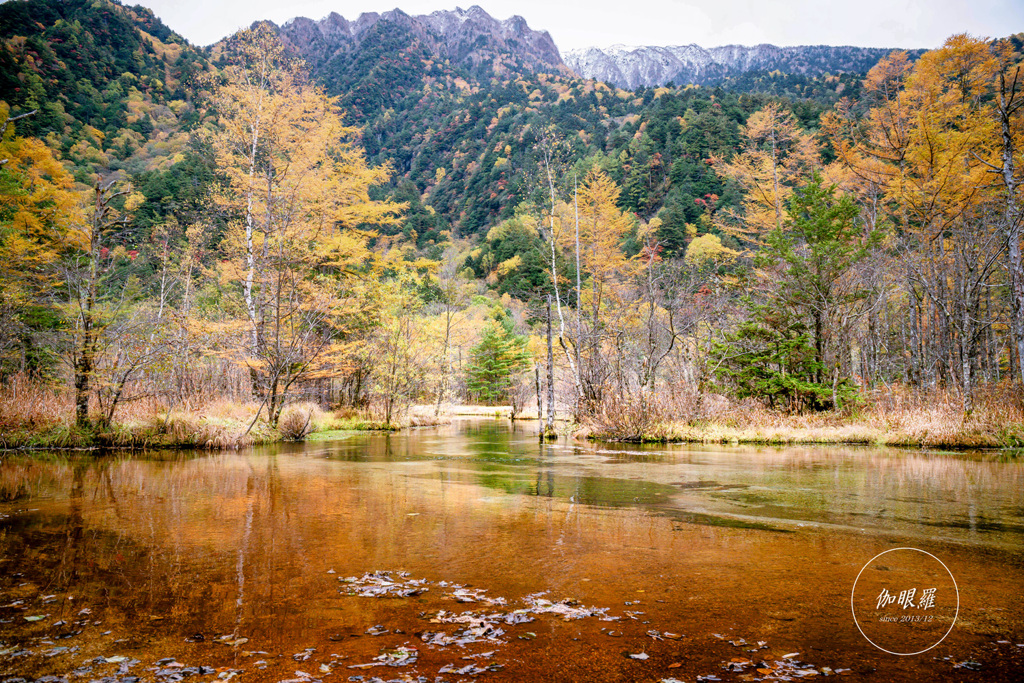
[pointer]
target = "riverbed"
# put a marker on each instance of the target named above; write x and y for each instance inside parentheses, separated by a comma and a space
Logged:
(475, 552)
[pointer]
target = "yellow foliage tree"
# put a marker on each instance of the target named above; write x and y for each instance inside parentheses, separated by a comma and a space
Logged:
(932, 142)
(299, 184)
(707, 251)
(38, 206)
(602, 229)
(777, 156)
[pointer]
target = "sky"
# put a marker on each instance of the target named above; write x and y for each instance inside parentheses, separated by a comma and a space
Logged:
(709, 23)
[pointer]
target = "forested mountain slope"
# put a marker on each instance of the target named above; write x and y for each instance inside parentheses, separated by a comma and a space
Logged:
(111, 85)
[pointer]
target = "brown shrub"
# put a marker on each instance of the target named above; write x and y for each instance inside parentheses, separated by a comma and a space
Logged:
(640, 417)
(297, 420)
(27, 403)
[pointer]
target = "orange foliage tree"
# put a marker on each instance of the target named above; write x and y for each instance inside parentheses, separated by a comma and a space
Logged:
(940, 139)
(38, 206)
(777, 155)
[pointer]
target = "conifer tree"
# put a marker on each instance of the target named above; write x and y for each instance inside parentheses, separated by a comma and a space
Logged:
(495, 361)
(783, 352)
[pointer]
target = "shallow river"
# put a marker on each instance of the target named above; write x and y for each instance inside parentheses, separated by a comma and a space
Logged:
(511, 561)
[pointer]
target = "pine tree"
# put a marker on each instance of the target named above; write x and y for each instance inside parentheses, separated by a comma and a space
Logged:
(783, 352)
(495, 361)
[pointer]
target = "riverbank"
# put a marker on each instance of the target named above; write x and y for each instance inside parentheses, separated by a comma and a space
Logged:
(34, 417)
(894, 417)
(37, 417)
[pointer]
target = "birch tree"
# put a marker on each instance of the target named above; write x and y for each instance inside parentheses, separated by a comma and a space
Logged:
(298, 190)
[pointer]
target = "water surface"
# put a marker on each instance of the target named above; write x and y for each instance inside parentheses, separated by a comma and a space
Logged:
(158, 556)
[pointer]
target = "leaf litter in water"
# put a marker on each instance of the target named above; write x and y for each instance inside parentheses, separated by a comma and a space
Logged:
(787, 668)
(381, 584)
(400, 656)
(231, 640)
(469, 669)
(968, 664)
(479, 626)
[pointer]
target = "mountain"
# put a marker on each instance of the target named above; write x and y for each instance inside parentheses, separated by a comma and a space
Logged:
(376, 60)
(111, 86)
(469, 38)
(633, 67)
(463, 107)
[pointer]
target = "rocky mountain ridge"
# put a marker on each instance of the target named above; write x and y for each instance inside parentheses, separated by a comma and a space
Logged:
(632, 67)
(474, 40)
(468, 38)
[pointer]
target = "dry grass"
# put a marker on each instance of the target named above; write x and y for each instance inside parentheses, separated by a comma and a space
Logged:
(27, 404)
(423, 416)
(896, 416)
(33, 414)
(224, 427)
(37, 415)
(299, 419)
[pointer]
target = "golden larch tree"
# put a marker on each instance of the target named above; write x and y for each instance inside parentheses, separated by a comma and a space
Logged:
(298, 190)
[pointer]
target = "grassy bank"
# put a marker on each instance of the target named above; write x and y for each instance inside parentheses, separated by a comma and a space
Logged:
(892, 417)
(37, 416)
(34, 415)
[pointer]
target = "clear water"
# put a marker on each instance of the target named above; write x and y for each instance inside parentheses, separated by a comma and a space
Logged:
(712, 544)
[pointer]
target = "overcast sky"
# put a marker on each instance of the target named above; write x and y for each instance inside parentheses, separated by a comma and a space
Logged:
(709, 23)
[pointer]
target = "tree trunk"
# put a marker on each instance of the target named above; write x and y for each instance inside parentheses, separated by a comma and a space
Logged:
(1008, 105)
(85, 359)
(540, 400)
(550, 426)
(83, 372)
(967, 352)
(444, 358)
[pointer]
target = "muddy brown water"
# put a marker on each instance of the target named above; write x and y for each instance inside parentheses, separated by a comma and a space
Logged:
(235, 562)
